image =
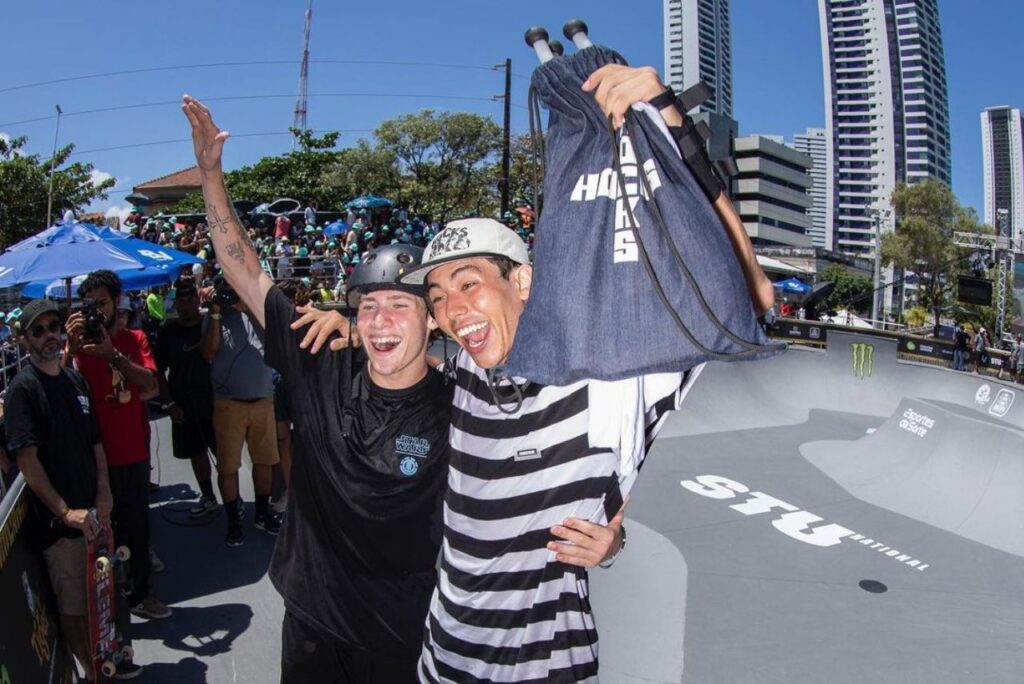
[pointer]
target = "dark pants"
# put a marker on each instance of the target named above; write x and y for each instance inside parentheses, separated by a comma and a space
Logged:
(308, 656)
(130, 486)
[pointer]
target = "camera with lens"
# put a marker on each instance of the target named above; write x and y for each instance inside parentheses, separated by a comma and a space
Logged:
(223, 294)
(94, 321)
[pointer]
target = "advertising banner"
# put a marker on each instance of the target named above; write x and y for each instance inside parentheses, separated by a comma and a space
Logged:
(31, 649)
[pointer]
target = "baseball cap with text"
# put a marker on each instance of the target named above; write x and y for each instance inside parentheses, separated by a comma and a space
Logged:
(467, 238)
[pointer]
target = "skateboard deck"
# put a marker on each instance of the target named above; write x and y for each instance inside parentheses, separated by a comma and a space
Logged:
(104, 638)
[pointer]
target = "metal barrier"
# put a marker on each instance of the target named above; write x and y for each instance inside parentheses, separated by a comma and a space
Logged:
(30, 639)
(314, 267)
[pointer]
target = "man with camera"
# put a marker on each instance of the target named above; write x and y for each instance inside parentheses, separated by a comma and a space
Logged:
(119, 368)
(243, 407)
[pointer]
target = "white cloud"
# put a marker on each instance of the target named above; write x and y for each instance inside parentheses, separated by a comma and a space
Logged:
(5, 137)
(96, 176)
(120, 211)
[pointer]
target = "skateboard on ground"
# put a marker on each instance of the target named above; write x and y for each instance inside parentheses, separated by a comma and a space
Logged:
(104, 639)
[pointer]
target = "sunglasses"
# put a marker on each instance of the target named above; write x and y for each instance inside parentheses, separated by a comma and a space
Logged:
(40, 330)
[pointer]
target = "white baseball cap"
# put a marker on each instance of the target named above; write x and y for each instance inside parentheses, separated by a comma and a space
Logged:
(467, 238)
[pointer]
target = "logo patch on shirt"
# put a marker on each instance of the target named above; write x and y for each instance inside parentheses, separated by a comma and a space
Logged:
(84, 401)
(409, 466)
(412, 446)
(527, 454)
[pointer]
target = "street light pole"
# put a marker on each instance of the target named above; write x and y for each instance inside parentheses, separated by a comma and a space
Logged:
(49, 198)
(505, 134)
(877, 292)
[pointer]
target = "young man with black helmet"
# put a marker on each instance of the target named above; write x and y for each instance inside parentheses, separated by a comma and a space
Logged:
(355, 557)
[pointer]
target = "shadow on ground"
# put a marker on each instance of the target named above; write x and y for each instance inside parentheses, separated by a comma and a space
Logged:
(202, 631)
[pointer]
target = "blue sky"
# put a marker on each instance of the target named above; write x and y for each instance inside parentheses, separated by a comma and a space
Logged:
(776, 62)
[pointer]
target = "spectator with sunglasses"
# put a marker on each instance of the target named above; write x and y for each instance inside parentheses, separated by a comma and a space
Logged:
(52, 431)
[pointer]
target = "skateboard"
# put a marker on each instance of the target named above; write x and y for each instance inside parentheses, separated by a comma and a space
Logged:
(105, 640)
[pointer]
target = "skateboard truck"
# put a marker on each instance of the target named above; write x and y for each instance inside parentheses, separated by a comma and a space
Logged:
(576, 31)
(537, 38)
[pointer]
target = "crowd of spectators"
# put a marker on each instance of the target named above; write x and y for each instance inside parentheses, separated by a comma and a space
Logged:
(320, 255)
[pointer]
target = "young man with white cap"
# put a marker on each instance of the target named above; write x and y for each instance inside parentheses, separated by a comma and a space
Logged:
(508, 608)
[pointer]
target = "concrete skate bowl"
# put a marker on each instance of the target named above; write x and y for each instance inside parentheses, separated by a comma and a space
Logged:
(825, 516)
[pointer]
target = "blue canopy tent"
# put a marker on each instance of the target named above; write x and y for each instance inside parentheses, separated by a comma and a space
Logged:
(368, 202)
(72, 248)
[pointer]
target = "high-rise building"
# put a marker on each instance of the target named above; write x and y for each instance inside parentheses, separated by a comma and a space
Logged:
(886, 110)
(1002, 144)
(770, 191)
(698, 47)
(812, 142)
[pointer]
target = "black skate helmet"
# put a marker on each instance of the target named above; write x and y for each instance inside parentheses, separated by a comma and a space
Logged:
(381, 270)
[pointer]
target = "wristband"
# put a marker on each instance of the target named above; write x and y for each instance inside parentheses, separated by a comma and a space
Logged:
(608, 563)
(164, 407)
(216, 316)
(666, 98)
(118, 356)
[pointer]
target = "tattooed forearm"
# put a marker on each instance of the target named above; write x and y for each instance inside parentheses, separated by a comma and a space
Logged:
(236, 251)
(215, 220)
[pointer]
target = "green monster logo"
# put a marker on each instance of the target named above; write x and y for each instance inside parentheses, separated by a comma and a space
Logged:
(863, 359)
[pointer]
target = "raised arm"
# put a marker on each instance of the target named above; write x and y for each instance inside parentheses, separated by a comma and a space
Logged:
(235, 253)
(617, 88)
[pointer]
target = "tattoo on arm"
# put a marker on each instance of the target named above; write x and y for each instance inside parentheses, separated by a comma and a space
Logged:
(236, 252)
(215, 220)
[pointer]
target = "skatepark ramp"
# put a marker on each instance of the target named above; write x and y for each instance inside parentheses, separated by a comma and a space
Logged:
(825, 516)
(960, 473)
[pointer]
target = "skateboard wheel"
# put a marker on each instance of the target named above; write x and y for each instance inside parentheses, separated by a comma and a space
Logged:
(103, 565)
(123, 553)
(109, 669)
(127, 652)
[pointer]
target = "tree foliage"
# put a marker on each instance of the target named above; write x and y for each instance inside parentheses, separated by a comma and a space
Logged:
(851, 291)
(25, 185)
(927, 215)
(438, 164)
(444, 160)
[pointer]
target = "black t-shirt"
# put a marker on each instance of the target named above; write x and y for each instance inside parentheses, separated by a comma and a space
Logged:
(54, 414)
(357, 552)
(177, 351)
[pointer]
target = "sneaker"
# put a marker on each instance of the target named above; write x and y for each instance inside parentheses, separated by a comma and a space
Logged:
(126, 669)
(281, 504)
(205, 507)
(155, 563)
(269, 523)
(151, 608)
(235, 537)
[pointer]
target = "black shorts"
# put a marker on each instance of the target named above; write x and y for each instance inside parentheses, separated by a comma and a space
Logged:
(308, 656)
(282, 411)
(192, 438)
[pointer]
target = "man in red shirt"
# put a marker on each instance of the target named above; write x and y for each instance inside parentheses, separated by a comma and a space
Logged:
(119, 366)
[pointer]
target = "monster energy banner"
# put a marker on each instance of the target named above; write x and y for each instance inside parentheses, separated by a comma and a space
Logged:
(30, 647)
(786, 328)
(862, 356)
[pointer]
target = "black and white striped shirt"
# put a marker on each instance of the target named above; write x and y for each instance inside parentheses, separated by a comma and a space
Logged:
(505, 610)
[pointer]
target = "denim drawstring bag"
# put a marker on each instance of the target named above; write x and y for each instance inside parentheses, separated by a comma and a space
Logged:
(633, 271)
